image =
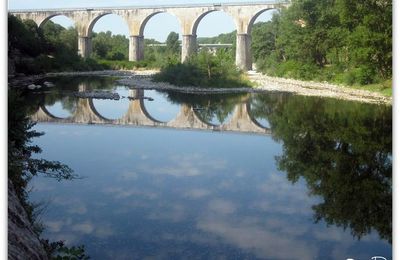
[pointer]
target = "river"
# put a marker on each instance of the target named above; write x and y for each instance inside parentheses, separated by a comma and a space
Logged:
(166, 175)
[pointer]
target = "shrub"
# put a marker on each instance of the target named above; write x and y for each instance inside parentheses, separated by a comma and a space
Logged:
(205, 70)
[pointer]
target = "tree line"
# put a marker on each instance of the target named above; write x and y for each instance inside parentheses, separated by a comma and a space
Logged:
(343, 41)
(340, 41)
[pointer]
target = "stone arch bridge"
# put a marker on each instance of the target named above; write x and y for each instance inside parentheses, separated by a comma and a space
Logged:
(137, 115)
(189, 16)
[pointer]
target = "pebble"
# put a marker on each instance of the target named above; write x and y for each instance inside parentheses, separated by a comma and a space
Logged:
(33, 86)
(48, 84)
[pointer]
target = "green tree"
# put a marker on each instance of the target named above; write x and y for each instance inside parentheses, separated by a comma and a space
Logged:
(346, 41)
(173, 44)
(204, 70)
(109, 46)
(263, 42)
(24, 36)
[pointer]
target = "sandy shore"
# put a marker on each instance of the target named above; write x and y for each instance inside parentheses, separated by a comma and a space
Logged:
(142, 79)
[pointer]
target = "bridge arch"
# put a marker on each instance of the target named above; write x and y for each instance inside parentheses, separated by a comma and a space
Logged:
(147, 114)
(255, 16)
(101, 24)
(200, 17)
(254, 119)
(43, 21)
(159, 106)
(93, 22)
(49, 114)
(96, 112)
(147, 26)
(144, 22)
(203, 120)
(137, 113)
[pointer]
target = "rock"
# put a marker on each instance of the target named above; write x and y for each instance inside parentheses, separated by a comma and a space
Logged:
(33, 86)
(23, 242)
(97, 95)
(48, 84)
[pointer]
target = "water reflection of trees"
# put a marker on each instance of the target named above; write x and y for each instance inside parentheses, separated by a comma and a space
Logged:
(210, 106)
(344, 152)
(64, 87)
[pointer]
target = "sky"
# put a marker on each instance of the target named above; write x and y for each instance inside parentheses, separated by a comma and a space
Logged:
(212, 24)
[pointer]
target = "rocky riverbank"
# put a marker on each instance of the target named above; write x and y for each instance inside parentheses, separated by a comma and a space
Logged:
(23, 242)
(265, 83)
(142, 79)
(322, 89)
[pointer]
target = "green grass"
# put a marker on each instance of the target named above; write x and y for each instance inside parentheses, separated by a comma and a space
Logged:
(384, 88)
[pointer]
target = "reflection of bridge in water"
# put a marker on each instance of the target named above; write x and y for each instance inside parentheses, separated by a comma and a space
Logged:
(137, 115)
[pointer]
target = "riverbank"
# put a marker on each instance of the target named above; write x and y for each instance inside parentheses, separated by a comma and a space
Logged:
(322, 89)
(23, 242)
(142, 79)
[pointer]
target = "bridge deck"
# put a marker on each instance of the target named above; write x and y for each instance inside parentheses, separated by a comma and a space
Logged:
(151, 6)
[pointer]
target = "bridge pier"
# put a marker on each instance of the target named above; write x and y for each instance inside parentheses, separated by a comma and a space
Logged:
(84, 46)
(189, 46)
(136, 48)
(243, 51)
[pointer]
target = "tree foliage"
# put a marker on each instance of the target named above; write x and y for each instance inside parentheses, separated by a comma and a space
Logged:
(173, 44)
(110, 47)
(35, 50)
(221, 38)
(204, 70)
(336, 40)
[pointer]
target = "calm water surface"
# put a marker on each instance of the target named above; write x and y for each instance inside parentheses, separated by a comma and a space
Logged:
(176, 176)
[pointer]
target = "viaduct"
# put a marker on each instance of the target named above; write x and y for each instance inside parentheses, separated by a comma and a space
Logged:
(137, 115)
(189, 16)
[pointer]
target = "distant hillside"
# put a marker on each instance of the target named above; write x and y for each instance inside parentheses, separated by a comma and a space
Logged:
(222, 38)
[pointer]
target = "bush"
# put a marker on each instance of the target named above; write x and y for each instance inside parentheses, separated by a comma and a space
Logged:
(204, 70)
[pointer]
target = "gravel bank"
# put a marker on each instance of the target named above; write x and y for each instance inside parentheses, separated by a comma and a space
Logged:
(265, 83)
(141, 79)
(310, 88)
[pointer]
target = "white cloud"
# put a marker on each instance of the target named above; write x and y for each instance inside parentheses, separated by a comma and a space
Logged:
(128, 176)
(85, 228)
(197, 193)
(221, 206)
(54, 226)
(77, 209)
(173, 213)
(104, 231)
(121, 193)
(186, 166)
(263, 242)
